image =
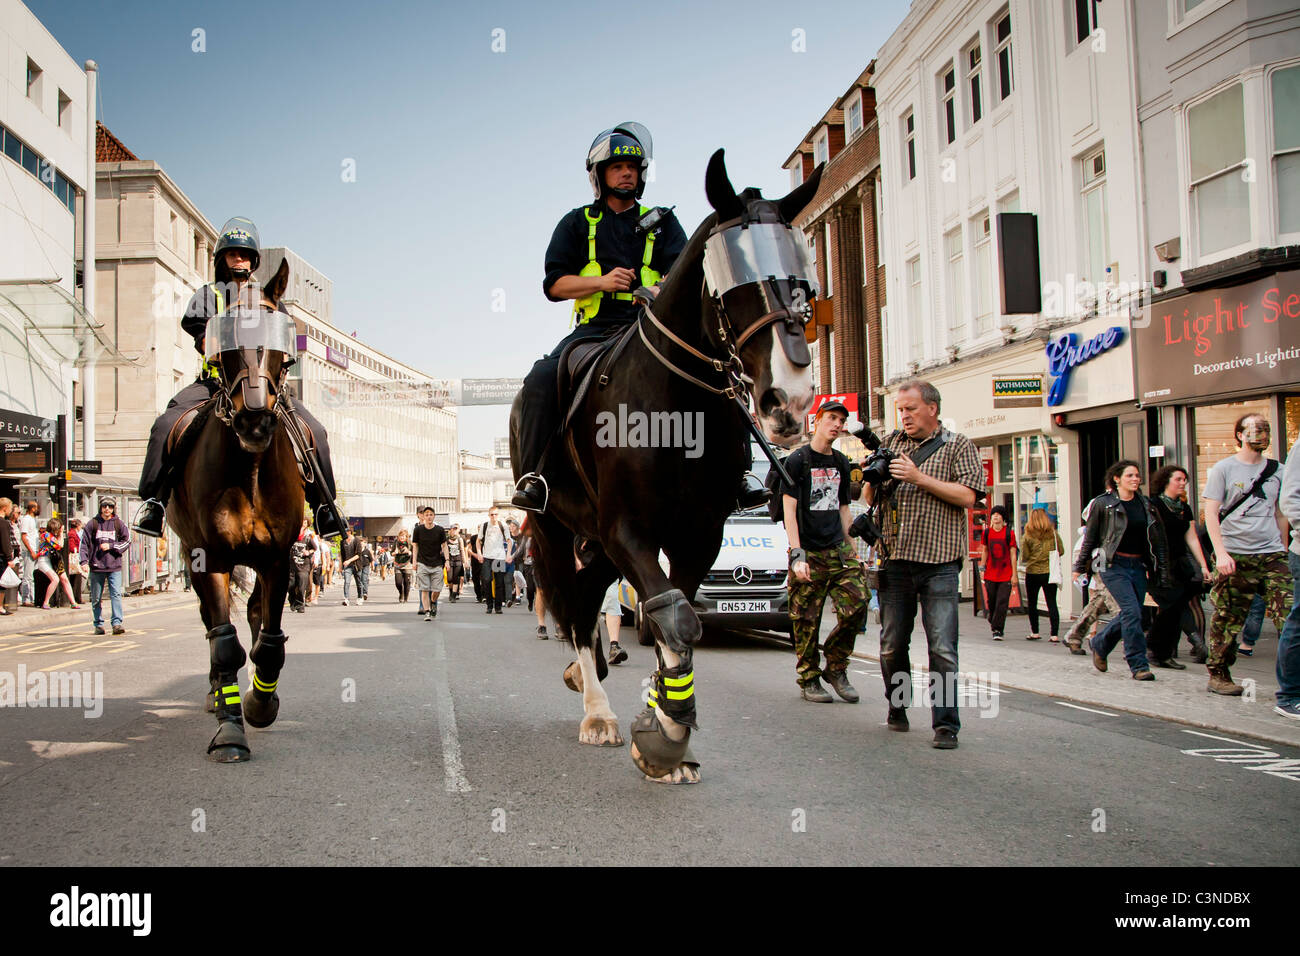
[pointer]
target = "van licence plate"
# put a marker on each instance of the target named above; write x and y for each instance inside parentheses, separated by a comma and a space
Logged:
(744, 607)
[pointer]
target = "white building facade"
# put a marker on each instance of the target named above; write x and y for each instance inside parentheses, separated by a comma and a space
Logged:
(1022, 107)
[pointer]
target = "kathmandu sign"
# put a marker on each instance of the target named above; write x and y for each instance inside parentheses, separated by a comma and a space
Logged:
(1066, 354)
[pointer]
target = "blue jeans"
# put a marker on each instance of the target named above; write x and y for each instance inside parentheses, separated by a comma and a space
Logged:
(352, 573)
(1126, 580)
(114, 580)
(1255, 619)
(363, 581)
(904, 585)
(1288, 644)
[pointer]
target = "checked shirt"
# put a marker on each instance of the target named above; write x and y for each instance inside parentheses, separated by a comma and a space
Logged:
(917, 526)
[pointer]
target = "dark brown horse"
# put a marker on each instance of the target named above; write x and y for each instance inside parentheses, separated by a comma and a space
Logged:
(729, 320)
(241, 502)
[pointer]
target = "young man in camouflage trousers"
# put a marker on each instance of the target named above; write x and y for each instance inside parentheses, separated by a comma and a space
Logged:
(822, 562)
(1242, 518)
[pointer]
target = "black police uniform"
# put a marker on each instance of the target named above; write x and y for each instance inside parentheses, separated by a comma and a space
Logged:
(153, 477)
(618, 246)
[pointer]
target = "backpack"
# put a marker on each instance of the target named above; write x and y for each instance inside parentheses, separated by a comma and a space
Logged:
(776, 488)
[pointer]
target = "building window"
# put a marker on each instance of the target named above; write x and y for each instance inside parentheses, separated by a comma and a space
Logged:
(956, 281)
(65, 110)
(821, 148)
(915, 325)
(33, 82)
(1096, 241)
(854, 114)
(1002, 56)
(948, 111)
(1285, 87)
(796, 172)
(973, 67)
(1085, 20)
(830, 284)
(909, 144)
(1216, 134)
(983, 243)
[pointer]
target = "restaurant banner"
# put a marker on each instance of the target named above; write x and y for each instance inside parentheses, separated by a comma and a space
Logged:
(1244, 338)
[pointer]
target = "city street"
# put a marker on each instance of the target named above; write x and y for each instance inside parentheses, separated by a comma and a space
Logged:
(455, 742)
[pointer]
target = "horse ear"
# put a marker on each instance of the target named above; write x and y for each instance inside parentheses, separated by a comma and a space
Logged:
(279, 282)
(717, 187)
(794, 201)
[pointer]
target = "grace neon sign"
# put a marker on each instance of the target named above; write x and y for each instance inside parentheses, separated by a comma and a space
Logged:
(1065, 355)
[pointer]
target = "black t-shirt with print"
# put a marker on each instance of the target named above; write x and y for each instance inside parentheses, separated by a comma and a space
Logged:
(822, 483)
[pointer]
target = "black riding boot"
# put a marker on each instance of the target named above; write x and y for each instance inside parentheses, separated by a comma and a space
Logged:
(149, 519)
(752, 493)
(537, 424)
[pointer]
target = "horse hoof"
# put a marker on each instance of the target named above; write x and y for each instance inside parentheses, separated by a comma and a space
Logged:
(683, 773)
(654, 752)
(600, 732)
(573, 677)
(229, 745)
(260, 713)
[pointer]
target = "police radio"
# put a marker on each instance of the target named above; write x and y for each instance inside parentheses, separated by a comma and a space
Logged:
(653, 220)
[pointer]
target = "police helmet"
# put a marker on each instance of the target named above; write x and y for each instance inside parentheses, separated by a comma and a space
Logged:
(625, 141)
(239, 233)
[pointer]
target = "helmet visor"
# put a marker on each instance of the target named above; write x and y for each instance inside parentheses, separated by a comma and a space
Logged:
(247, 329)
(741, 255)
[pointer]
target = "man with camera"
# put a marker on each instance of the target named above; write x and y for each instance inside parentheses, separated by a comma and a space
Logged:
(922, 479)
(822, 561)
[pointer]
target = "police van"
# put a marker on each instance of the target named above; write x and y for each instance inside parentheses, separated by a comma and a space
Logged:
(746, 587)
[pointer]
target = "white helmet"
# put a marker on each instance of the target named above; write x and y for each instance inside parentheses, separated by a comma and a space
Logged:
(624, 141)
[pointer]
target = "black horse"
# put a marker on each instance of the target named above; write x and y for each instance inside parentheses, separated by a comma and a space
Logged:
(241, 503)
(728, 322)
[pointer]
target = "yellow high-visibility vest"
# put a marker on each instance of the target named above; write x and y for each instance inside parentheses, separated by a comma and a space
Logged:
(211, 369)
(585, 309)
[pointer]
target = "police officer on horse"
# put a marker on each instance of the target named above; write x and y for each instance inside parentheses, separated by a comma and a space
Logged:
(597, 256)
(236, 256)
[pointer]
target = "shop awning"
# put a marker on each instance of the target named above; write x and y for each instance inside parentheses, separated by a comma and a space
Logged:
(62, 325)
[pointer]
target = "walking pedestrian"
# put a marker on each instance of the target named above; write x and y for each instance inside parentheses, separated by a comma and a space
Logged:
(1288, 642)
(998, 558)
(10, 561)
(1247, 530)
(822, 562)
(49, 561)
(493, 550)
(1187, 566)
(104, 540)
(367, 559)
(430, 545)
(612, 611)
(76, 574)
(29, 538)
(350, 554)
(1124, 527)
(1042, 551)
(402, 566)
(302, 556)
(13, 595)
(455, 562)
(476, 569)
(935, 478)
(524, 562)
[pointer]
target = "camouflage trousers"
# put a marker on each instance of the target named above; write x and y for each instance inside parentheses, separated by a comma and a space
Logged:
(1268, 575)
(836, 572)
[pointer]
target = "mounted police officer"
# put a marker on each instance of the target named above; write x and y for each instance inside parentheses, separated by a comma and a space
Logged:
(236, 256)
(597, 256)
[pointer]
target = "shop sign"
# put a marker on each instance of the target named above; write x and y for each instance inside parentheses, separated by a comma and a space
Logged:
(1066, 354)
(335, 357)
(1022, 391)
(1220, 341)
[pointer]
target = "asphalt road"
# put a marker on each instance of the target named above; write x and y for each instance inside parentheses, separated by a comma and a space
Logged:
(403, 742)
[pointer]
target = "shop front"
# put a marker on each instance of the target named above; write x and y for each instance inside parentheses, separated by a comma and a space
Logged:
(1206, 358)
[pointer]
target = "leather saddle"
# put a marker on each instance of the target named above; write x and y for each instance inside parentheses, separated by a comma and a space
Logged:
(584, 362)
(186, 430)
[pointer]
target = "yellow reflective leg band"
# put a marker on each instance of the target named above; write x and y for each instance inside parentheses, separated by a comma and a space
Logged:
(679, 681)
(262, 685)
(232, 693)
(681, 694)
(654, 696)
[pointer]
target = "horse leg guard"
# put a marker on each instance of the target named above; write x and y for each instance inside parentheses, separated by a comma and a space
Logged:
(261, 702)
(229, 745)
(673, 620)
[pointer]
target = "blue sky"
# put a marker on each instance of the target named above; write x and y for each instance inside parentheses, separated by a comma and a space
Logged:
(465, 158)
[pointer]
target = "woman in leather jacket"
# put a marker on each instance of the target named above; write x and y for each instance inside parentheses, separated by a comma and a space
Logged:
(1126, 531)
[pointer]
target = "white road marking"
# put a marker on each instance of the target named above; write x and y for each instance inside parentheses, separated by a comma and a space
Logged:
(456, 781)
(1247, 755)
(1104, 713)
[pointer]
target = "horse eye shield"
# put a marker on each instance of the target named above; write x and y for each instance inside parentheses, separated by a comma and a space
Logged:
(255, 335)
(757, 252)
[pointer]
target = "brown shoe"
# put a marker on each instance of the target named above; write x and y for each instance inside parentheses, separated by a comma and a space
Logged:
(1223, 684)
(1098, 661)
(1144, 675)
